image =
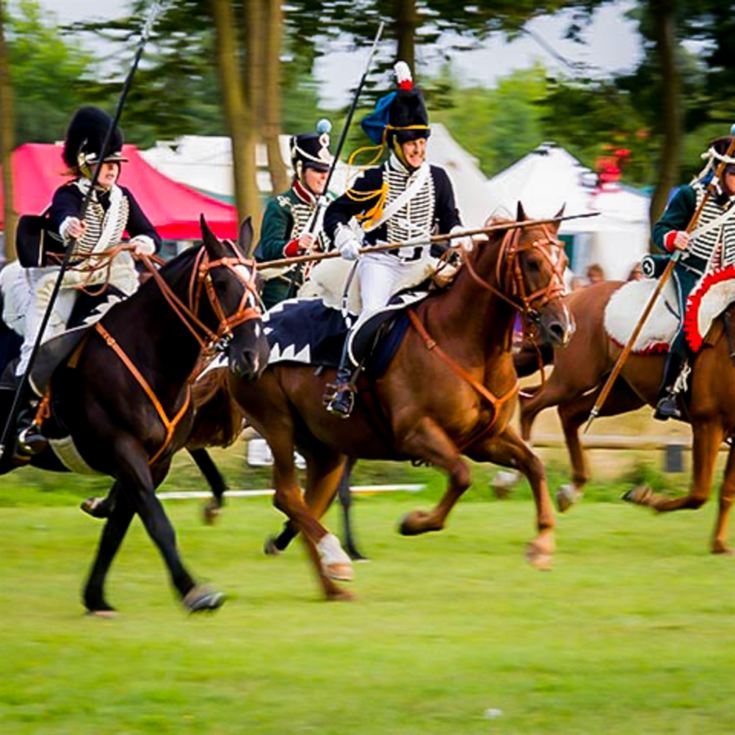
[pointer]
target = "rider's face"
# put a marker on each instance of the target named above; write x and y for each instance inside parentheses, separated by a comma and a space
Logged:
(315, 181)
(728, 180)
(109, 171)
(414, 152)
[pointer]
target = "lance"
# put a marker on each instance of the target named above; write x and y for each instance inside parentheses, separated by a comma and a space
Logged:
(321, 201)
(5, 441)
(623, 357)
(423, 241)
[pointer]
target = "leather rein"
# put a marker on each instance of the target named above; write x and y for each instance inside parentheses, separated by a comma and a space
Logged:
(509, 272)
(209, 341)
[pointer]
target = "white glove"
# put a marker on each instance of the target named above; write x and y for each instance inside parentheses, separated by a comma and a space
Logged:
(466, 242)
(143, 246)
(347, 244)
(72, 227)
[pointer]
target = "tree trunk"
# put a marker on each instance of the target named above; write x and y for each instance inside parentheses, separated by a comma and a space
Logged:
(272, 96)
(407, 21)
(6, 140)
(238, 115)
(663, 13)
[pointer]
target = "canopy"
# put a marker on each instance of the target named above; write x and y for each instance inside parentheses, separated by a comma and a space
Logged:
(173, 208)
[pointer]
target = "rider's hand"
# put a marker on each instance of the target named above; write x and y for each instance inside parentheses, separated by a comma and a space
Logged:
(72, 227)
(347, 244)
(676, 240)
(306, 241)
(465, 241)
(143, 246)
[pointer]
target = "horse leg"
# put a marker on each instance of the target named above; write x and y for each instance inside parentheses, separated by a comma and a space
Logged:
(572, 415)
(344, 493)
(428, 441)
(706, 440)
(216, 482)
(534, 401)
(323, 473)
(509, 450)
(727, 494)
(112, 535)
(137, 479)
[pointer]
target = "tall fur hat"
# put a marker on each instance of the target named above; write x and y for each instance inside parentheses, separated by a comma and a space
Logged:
(85, 137)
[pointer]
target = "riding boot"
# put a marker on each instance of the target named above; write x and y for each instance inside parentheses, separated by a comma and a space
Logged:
(667, 406)
(339, 398)
(31, 440)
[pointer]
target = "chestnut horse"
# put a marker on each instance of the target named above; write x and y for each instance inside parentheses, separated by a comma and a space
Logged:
(125, 397)
(580, 371)
(448, 391)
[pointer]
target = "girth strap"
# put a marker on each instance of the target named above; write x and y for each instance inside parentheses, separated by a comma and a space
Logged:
(169, 425)
(495, 401)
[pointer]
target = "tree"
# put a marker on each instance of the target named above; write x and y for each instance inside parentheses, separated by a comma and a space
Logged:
(6, 140)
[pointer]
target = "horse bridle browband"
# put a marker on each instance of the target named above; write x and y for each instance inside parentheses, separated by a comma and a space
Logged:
(508, 268)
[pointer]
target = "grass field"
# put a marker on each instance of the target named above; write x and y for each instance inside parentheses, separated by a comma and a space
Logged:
(451, 633)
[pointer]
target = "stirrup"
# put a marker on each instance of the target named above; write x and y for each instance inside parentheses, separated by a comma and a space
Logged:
(667, 408)
(31, 441)
(340, 399)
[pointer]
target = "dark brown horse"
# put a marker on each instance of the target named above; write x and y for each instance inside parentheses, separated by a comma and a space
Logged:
(580, 371)
(125, 399)
(448, 391)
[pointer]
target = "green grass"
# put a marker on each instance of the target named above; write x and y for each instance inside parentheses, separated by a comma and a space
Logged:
(631, 633)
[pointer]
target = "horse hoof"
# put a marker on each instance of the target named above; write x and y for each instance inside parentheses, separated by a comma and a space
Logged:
(203, 599)
(105, 614)
(504, 482)
(210, 514)
(540, 555)
(95, 507)
(415, 523)
(639, 495)
(566, 497)
(723, 549)
(339, 572)
(270, 548)
(355, 555)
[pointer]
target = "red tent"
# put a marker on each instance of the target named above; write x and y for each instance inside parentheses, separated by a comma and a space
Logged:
(173, 208)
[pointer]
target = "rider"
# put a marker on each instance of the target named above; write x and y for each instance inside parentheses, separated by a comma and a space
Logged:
(710, 245)
(288, 227)
(112, 210)
(402, 199)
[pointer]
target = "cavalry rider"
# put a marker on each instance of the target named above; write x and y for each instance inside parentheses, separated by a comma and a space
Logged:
(112, 210)
(405, 198)
(710, 246)
(289, 227)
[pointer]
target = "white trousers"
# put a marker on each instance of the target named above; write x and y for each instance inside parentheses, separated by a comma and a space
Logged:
(380, 276)
(41, 284)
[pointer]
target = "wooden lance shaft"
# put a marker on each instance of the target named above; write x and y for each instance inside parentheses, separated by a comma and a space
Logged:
(423, 242)
(623, 357)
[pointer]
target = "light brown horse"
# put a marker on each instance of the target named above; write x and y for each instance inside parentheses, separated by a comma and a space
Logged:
(449, 390)
(579, 373)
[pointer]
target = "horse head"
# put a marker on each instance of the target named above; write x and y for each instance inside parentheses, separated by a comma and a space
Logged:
(233, 288)
(529, 266)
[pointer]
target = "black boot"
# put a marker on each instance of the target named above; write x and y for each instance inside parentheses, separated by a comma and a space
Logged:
(340, 396)
(667, 406)
(30, 439)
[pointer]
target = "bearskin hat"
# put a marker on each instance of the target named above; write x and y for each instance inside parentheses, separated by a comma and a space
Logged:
(86, 135)
(311, 150)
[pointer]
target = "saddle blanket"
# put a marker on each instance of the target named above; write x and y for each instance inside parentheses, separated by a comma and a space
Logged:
(710, 297)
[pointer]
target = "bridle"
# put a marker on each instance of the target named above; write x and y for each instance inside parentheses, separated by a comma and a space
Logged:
(509, 275)
(201, 281)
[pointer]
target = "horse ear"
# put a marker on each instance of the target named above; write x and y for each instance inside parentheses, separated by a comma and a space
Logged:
(211, 243)
(520, 213)
(245, 236)
(558, 215)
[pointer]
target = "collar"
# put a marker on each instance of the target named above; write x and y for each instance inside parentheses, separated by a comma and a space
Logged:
(303, 193)
(397, 165)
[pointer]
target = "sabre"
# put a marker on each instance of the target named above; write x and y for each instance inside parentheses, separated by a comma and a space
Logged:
(423, 241)
(155, 9)
(623, 357)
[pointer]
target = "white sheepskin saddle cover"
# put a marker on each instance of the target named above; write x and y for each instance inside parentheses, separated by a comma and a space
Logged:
(626, 306)
(710, 297)
(328, 278)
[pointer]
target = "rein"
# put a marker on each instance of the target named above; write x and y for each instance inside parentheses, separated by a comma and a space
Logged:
(209, 341)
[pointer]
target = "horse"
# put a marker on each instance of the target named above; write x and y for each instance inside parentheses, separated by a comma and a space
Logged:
(580, 371)
(449, 390)
(124, 398)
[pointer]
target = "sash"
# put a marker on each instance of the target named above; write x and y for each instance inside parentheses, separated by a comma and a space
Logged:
(402, 199)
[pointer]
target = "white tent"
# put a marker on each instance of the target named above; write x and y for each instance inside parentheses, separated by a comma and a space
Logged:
(548, 178)
(205, 162)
